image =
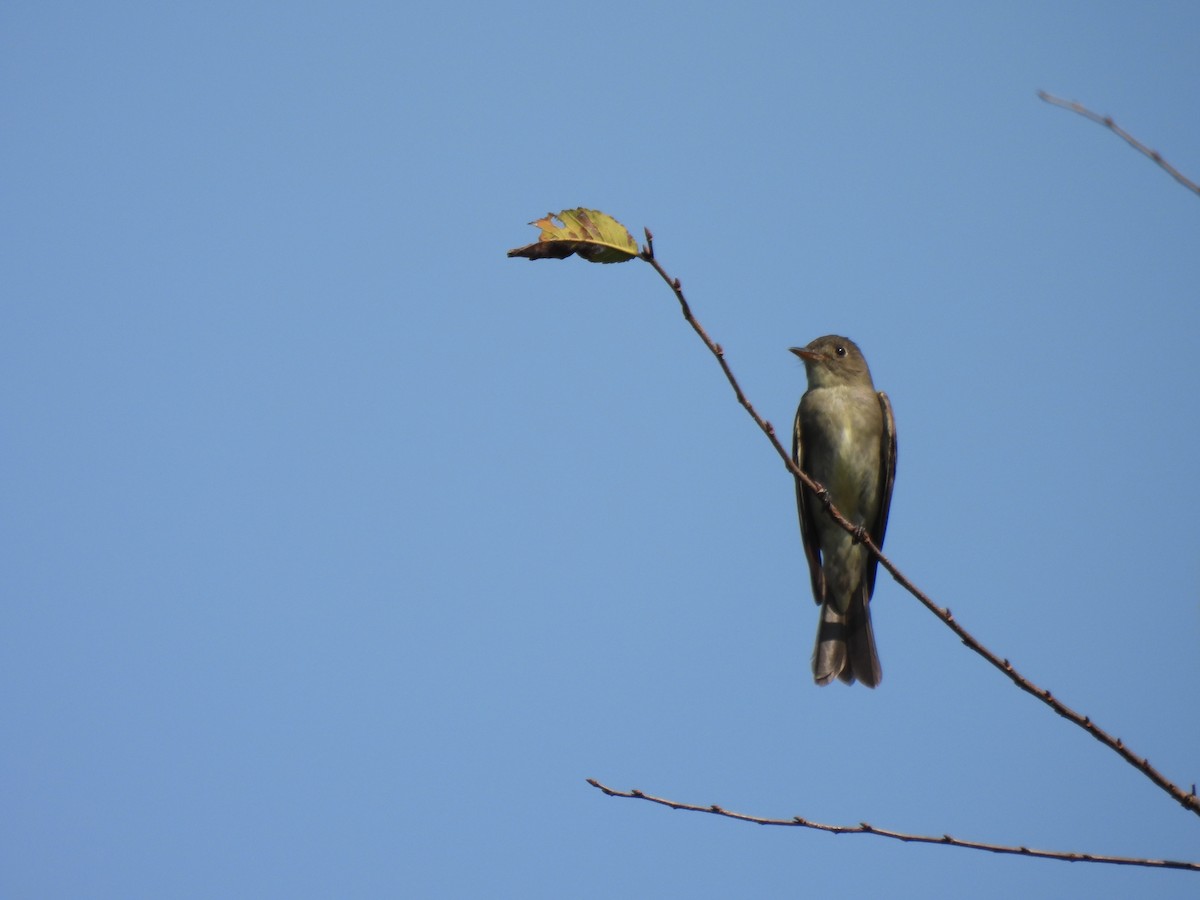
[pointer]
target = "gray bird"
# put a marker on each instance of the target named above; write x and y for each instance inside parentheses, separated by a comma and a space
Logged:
(844, 439)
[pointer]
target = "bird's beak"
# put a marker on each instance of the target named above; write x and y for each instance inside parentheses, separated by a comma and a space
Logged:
(805, 353)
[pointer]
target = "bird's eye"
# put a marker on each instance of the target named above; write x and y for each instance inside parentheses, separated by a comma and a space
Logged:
(840, 350)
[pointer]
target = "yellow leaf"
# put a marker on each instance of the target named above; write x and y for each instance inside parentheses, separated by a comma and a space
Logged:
(595, 236)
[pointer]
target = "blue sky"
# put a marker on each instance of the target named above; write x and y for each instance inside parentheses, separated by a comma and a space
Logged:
(340, 549)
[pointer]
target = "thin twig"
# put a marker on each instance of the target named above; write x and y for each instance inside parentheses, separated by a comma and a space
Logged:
(1188, 801)
(1120, 132)
(864, 828)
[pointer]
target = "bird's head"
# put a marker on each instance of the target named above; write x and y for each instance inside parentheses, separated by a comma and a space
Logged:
(833, 360)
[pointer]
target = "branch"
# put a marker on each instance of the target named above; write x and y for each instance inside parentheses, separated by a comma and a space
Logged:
(1188, 801)
(1133, 142)
(864, 828)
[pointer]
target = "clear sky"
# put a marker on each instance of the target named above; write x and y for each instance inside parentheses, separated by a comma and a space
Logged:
(339, 549)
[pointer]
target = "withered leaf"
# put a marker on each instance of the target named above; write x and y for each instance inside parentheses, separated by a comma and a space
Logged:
(593, 235)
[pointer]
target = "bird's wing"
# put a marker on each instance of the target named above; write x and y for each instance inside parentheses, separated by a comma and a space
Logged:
(887, 478)
(808, 528)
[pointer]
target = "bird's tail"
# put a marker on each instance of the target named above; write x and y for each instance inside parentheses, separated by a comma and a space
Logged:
(846, 645)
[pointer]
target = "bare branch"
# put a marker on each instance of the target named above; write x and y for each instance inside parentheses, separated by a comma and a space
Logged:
(864, 828)
(1188, 801)
(1133, 142)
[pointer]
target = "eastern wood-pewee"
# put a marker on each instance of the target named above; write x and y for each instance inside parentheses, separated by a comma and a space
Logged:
(844, 439)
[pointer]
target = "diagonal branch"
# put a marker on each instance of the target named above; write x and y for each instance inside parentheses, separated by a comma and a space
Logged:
(864, 828)
(1120, 132)
(1188, 801)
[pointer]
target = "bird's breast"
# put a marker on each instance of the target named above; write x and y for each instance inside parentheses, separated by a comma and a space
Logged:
(842, 428)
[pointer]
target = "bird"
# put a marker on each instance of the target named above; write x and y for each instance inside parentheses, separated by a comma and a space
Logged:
(844, 438)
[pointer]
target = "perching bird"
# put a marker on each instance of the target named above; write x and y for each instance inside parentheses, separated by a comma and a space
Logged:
(844, 439)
